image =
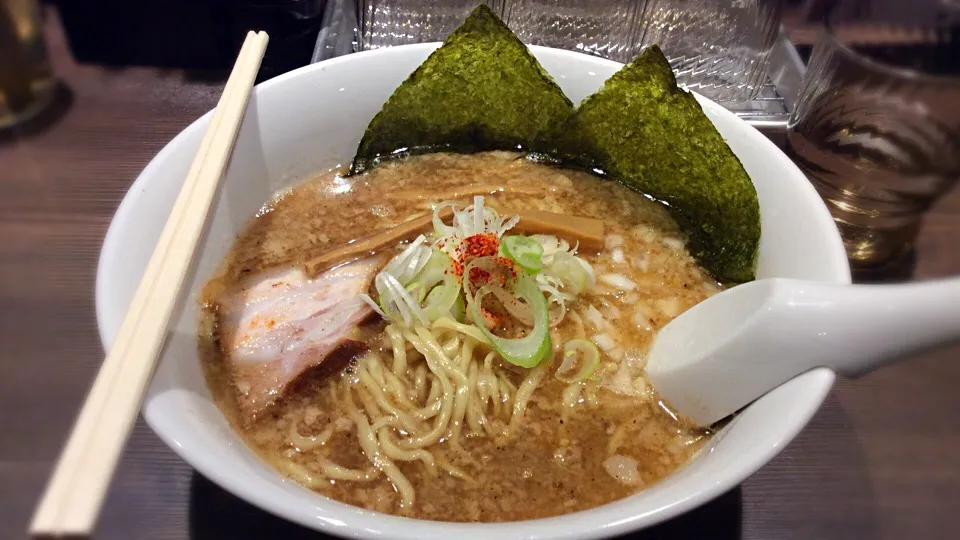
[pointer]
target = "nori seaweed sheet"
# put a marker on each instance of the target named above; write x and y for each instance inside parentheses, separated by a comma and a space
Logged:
(644, 131)
(481, 90)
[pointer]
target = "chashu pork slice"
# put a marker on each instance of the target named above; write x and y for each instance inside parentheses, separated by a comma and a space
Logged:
(279, 324)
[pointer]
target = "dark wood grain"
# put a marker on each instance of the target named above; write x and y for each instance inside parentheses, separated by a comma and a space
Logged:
(880, 460)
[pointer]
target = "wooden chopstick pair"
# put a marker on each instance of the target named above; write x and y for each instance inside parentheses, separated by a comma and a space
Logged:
(75, 492)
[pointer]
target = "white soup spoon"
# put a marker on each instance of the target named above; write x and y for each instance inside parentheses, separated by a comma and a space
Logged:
(732, 348)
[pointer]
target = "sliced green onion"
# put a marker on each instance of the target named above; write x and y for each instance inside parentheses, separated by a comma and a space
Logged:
(580, 359)
(569, 270)
(437, 269)
(441, 229)
(514, 307)
(487, 264)
(531, 349)
(442, 299)
(459, 309)
(438, 277)
(523, 250)
(417, 291)
(435, 293)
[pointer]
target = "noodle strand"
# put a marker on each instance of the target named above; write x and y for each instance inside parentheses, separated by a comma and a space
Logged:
(370, 447)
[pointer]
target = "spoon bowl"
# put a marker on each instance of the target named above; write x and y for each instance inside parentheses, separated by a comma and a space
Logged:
(727, 351)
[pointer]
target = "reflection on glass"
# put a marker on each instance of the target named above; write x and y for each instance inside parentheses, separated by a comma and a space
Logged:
(720, 48)
(606, 28)
(387, 23)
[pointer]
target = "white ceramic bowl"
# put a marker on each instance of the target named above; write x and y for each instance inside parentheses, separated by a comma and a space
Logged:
(311, 120)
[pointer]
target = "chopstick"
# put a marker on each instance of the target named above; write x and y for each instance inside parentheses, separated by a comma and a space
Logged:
(75, 492)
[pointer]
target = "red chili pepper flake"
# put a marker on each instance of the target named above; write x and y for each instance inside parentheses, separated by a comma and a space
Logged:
(508, 266)
(481, 245)
(479, 275)
(494, 318)
(478, 245)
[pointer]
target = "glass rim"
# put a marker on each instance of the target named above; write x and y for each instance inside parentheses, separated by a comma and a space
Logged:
(863, 60)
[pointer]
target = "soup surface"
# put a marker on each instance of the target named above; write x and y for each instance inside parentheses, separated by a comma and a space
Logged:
(525, 444)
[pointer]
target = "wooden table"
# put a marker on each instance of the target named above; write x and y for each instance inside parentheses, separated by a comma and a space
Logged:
(880, 460)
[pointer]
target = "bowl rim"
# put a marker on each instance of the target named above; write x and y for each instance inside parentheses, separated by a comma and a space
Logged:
(379, 525)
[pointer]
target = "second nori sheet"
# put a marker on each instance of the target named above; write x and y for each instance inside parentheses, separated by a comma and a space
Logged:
(649, 134)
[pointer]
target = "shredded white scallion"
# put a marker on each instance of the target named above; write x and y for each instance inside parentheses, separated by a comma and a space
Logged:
(396, 302)
(407, 265)
(373, 305)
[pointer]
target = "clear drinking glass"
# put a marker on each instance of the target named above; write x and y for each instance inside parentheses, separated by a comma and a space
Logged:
(387, 23)
(26, 80)
(720, 48)
(606, 28)
(880, 143)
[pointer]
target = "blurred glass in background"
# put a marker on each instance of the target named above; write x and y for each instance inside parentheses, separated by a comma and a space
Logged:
(879, 140)
(605, 28)
(720, 48)
(388, 23)
(26, 80)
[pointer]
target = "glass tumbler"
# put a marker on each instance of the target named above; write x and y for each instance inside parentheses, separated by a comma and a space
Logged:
(880, 143)
(26, 80)
(387, 23)
(607, 28)
(719, 48)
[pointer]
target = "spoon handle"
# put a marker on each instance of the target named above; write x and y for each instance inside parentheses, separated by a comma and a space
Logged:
(864, 327)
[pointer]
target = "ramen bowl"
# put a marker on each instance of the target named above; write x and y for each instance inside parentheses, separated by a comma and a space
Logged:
(311, 120)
